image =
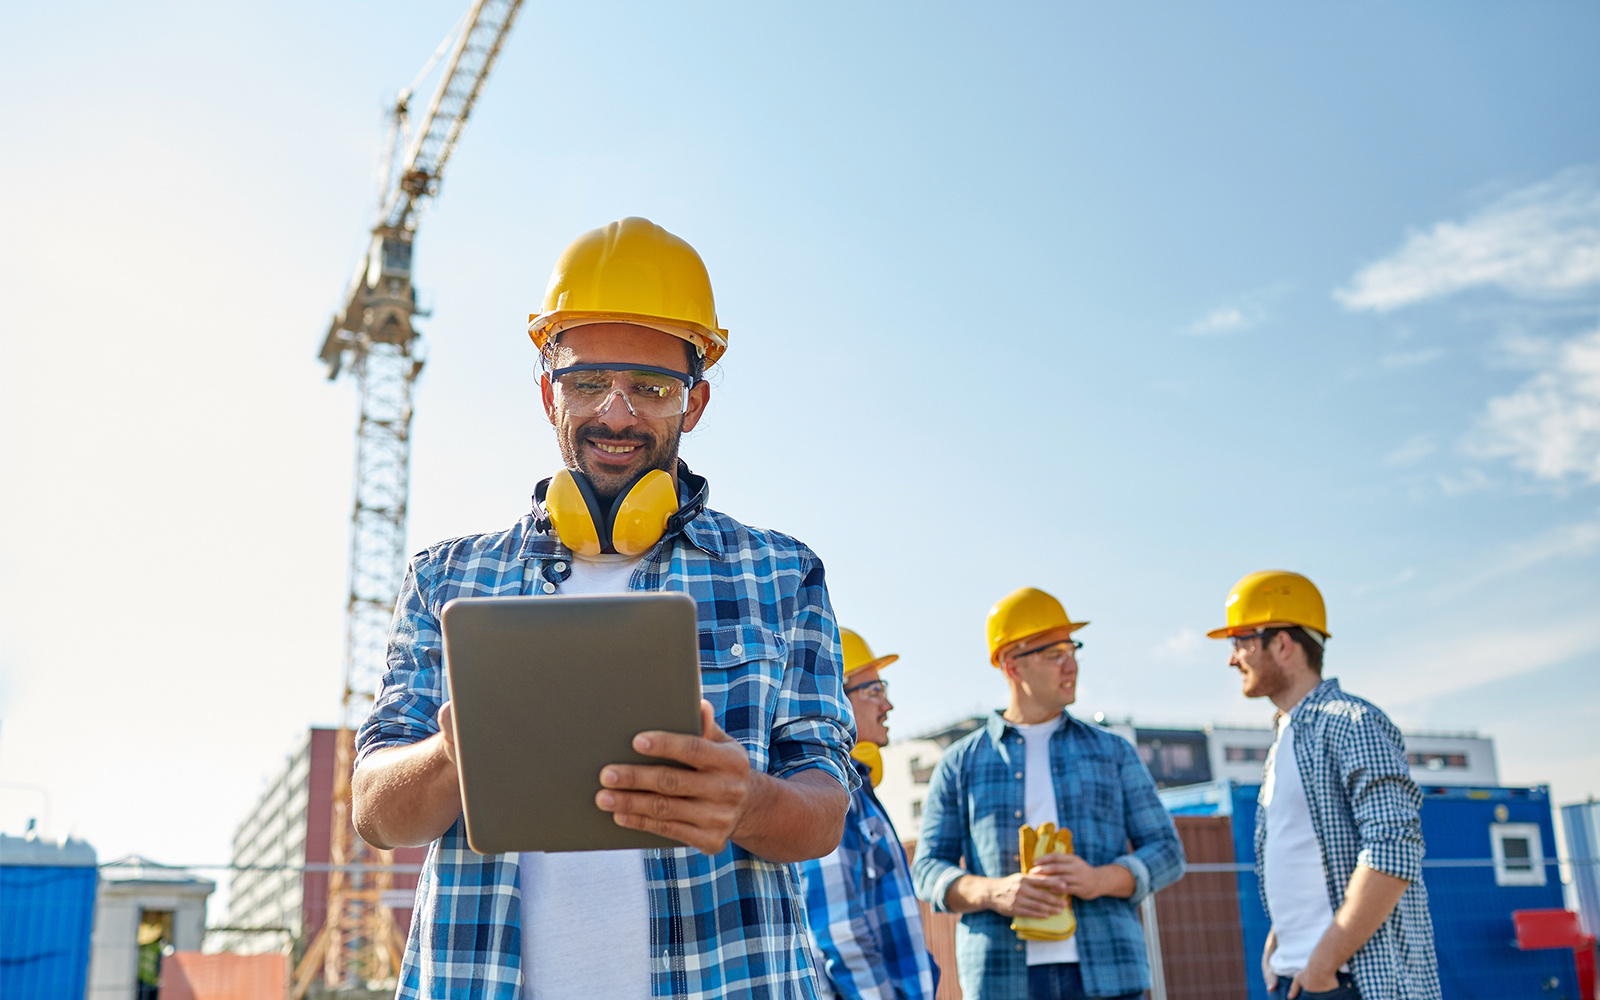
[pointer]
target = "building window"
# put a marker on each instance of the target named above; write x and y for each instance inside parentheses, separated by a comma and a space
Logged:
(1235, 755)
(921, 773)
(916, 808)
(1518, 853)
(1437, 761)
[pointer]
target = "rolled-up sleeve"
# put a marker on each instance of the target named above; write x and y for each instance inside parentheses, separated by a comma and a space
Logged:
(813, 726)
(1156, 860)
(944, 830)
(1385, 802)
(407, 705)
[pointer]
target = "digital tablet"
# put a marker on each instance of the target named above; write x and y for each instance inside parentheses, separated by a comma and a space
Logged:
(545, 691)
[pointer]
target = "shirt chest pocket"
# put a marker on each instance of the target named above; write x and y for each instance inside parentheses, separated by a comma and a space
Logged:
(877, 852)
(741, 672)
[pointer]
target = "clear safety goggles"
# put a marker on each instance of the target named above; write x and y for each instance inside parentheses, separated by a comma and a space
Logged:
(1054, 653)
(647, 391)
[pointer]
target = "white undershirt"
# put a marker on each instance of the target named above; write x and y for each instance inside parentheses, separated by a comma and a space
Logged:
(585, 914)
(1297, 890)
(1039, 808)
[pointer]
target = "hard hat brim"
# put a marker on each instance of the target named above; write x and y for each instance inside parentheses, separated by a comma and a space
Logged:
(880, 663)
(1227, 631)
(1070, 626)
(545, 327)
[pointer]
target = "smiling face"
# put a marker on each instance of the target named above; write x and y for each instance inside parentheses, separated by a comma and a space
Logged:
(615, 446)
(1046, 681)
(871, 710)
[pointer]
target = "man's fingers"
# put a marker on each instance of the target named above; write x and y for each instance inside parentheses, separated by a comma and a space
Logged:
(699, 753)
(684, 833)
(674, 781)
(665, 807)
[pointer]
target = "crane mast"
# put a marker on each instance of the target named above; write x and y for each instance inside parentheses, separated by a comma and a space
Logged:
(374, 339)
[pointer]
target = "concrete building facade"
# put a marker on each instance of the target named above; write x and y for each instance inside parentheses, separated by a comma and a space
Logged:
(143, 912)
(272, 904)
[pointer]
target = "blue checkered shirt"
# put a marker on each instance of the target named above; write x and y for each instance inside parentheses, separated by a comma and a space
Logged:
(862, 910)
(1104, 795)
(726, 925)
(1366, 811)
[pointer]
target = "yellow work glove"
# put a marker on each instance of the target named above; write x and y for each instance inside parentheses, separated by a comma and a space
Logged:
(1036, 844)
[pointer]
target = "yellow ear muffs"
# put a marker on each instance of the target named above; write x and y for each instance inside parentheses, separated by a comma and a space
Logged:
(574, 513)
(640, 516)
(636, 521)
(870, 755)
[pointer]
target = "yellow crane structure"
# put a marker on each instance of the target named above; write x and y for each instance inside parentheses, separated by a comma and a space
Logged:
(373, 338)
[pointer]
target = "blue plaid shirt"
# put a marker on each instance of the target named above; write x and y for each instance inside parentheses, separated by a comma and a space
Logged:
(1104, 795)
(862, 911)
(1366, 810)
(725, 925)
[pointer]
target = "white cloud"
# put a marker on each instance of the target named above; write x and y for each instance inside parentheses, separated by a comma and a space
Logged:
(1541, 240)
(1400, 579)
(1225, 319)
(1413, 359)
(1569, 541)
(1438, 665)
(1413, 451)
(1186, 645)
(1550, 426)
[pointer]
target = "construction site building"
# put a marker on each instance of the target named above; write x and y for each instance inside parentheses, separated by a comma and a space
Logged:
(274, 905)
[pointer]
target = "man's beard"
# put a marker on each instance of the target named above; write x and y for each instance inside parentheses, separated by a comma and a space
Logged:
(1265, 678)
(659, 453)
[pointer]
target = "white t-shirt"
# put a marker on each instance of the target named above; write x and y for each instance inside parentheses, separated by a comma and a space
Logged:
(585, 914)
(1039, 808)
(1297, 890)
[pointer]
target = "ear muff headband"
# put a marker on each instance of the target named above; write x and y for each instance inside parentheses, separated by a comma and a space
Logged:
(638, 518)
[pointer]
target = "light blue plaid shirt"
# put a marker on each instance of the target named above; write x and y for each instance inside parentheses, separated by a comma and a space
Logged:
(1366, 810)
(863, 912)
(1104, 795)
(726, 925)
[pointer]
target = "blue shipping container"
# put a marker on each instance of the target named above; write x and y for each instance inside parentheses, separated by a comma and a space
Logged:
(1471, 909)
(47, 894)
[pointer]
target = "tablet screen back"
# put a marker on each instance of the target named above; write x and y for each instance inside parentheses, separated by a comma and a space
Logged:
(545, 692)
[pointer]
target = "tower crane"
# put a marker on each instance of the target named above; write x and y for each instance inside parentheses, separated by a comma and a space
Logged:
(372, 337)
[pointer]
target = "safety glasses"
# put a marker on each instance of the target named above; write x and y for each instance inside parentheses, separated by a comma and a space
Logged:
(1055, 653)
(875, 689)
(647, 391)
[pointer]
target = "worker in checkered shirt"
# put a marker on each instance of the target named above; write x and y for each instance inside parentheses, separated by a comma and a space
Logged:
(627, 329)
(861, 907)
(1338, 828)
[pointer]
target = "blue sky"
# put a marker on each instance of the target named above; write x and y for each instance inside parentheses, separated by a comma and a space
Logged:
(1122, 302)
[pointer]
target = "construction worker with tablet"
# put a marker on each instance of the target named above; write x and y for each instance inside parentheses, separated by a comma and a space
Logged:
(625, 333)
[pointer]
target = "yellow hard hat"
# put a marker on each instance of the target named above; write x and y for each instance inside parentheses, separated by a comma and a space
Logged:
(858, 655)
(1273, 597)
(631, 271)
(1023, 613)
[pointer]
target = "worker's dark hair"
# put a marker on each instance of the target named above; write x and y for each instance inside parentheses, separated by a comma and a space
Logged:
(1312, 647)
(696, 365)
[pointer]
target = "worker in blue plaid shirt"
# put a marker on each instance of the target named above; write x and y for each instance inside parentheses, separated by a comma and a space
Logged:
(860, 905)
(627, 329)
(1339, 827)
(1034, 763)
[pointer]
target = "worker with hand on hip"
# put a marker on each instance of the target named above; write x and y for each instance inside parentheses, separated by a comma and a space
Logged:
(1035, 765)
(627, 329)
(860, 905)
(1338, 828)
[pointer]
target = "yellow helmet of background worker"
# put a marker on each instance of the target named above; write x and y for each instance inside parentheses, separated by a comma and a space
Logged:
(631, 271)
(858, 655)
(1273, 597)
(1023, 613)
